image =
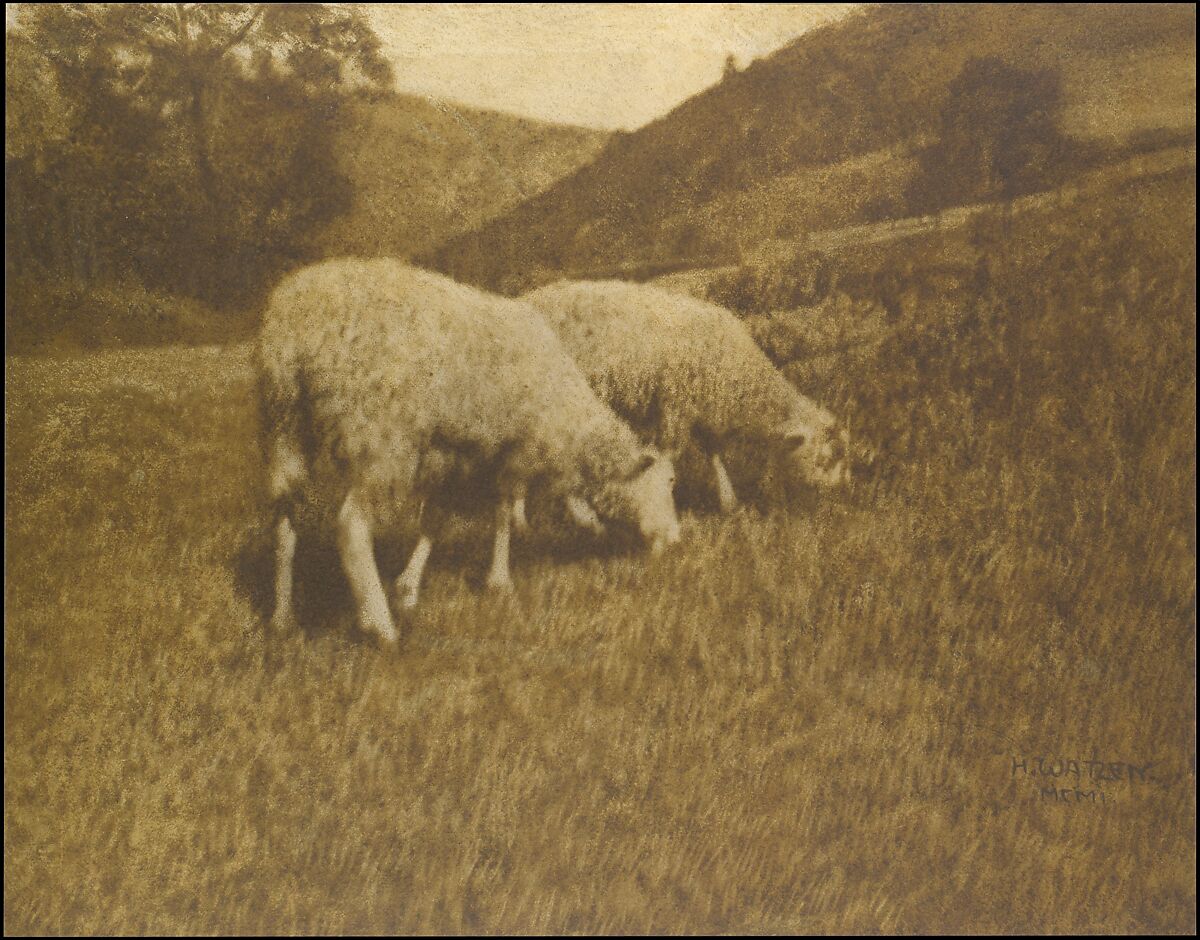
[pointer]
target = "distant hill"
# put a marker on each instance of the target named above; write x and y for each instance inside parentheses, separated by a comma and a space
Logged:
(822, 134)
(422, 171)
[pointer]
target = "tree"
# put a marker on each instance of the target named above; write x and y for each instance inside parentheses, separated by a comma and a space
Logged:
(198, 138)
(998, 136)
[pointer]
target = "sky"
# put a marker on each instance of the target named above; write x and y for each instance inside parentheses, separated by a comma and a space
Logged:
(613, 66)
(604, 65)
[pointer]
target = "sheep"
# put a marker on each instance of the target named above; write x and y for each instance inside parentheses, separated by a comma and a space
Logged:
(383, 383)
(684, 371)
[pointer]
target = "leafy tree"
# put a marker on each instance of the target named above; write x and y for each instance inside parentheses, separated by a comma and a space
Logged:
(999, 136)
(190, 144)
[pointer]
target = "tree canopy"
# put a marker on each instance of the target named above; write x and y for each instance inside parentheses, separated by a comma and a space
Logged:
(999, 136)
(185, 145)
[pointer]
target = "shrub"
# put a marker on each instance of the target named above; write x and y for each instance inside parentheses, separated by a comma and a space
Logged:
(802, 281)
(57, 316)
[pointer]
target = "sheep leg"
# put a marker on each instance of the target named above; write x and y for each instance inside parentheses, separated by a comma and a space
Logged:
(284, 618)
(358, 561)
(584, 515)
(498, 578)
(520, 520)
(286, 473)
(725, 493)
(408, 585)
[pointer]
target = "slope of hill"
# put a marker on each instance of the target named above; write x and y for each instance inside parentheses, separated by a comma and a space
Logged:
(821, 133)
(422, 171)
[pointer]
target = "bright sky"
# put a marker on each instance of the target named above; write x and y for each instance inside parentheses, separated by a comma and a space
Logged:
(606, 65)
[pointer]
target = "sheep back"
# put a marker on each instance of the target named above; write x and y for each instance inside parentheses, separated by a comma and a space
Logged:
(391, 362)
(671, 364)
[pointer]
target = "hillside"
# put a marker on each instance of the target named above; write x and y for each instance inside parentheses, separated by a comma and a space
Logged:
(422, 171)
(822, 134)
(419, 172)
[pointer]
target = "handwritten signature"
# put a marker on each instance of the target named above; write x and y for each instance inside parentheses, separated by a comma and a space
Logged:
(1050, 773)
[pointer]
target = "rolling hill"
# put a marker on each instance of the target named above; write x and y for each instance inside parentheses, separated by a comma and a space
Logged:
(419, 171)
(823, 133)
(423, 170)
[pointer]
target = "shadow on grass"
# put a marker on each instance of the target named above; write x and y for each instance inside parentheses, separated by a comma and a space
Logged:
(323, 602)
(322, 596)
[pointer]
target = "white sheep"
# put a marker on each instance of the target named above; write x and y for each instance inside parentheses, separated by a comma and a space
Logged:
(381, 382)
(684, 371)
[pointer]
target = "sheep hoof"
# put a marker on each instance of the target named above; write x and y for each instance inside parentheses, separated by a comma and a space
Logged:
(499, 585)
(283, 621)
(384, 633)
(406, 596)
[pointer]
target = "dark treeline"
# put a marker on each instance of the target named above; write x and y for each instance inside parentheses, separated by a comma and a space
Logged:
(187, 148)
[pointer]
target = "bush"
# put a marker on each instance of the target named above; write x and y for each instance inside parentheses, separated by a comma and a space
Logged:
(56, 316)
(998, 138)
(804, 280)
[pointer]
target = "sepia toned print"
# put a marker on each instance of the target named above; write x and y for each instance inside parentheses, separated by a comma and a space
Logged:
(600, 468)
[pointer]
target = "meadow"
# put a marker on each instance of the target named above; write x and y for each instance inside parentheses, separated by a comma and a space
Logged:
(958, 697)
(913, 707)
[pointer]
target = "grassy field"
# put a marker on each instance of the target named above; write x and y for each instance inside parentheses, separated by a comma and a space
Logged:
(806, 721)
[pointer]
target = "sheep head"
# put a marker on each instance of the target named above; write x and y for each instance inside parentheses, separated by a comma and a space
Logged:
(643, 498)
(816, 450)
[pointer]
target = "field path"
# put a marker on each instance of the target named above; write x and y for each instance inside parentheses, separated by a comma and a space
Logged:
(696, 280)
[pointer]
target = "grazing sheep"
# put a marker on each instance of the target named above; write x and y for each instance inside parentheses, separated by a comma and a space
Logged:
(684, 371)
(382, 382)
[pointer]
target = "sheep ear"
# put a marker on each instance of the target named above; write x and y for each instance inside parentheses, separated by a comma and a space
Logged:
(644, 464)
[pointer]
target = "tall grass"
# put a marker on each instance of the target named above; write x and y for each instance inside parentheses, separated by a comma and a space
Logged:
(805, 720)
